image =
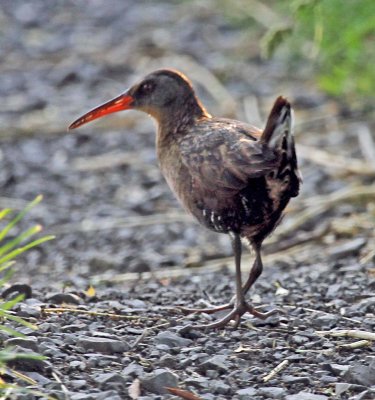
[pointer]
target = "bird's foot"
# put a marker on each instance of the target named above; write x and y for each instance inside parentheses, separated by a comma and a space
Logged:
(238, 311)
(208, 310)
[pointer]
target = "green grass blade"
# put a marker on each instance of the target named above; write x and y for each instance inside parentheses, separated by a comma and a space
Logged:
(6, 277)
(20, 321)
(19, 216)
(11, 331)
(20, 250)
(20, 238)
(6, 389)
(11, 303)
(6, 265)
(8, 355)
(5, 212)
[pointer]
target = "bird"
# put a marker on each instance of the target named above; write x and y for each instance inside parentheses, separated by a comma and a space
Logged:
(234, 178)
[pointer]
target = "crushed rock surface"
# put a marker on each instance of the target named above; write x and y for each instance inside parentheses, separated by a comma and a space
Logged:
(119, 229)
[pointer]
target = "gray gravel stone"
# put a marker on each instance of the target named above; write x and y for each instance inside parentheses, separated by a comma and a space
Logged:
(169, 361)
(216, 363)
(27, 311)
(102, 345)
(246, 393)
(108, 395)
(338, 369)
(50, 350)
(133, 370)
(51, 56)
(57, 394)
(212, 374)
(305, 380)
(272, 392)
(347, 248)
(77, 365)
(298, 339)
(219, 387)
(68, 298)
(73, 328)
(83, 396)
(25, 343)
(361, 374)
(341, 388)
(41, 379)
(29, 364)
(170, 339)
(325, 321)
(158, 380)
(306, 396)
(112, 380)
(78, 383)
(197, 382)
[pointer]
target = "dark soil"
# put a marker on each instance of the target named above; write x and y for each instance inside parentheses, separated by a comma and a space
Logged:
(119, 229)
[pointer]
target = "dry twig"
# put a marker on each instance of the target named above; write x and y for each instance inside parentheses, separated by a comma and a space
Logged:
(365, 335)
(367, 143)
(183, 394)
(93, 313)
(323, 312)
(101, 224)
(356, 345)
(63, 387)
(334, 161)
(276, 370)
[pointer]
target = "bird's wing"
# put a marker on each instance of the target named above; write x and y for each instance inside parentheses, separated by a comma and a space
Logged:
(225, 154)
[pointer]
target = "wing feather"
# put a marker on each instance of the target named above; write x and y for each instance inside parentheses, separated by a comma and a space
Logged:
(225, 154)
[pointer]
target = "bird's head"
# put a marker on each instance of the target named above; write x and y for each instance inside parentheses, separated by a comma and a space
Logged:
(164, 94)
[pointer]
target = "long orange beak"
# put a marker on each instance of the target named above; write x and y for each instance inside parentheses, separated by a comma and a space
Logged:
(122, 102)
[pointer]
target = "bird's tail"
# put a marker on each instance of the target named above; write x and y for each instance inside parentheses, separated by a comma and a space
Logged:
(279, 124)
(278, 135)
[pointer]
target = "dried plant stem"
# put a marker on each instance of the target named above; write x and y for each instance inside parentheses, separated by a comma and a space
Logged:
(367, 143)
(356, 321)
(365, 335)
(174, 272)
(320, 204)
(93, 313)
(63, 387)
(276, 370)
(102, 224)
(334, 161)
(356, 345)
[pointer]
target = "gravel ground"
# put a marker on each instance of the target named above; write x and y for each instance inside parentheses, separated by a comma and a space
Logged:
(119, 229)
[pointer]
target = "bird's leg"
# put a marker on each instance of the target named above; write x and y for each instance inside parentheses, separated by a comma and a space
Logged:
(256, 270)
(240, 305)
(255, 273)
(237, 249)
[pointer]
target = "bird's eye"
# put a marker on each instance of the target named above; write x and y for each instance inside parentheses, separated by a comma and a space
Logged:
(146, 87)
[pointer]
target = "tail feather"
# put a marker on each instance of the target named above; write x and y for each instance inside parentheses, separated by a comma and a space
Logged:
(278, 135)
(279, 124)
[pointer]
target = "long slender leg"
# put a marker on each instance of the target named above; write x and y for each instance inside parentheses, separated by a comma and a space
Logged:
(256, 269)
(237, 250)
(255, 272)
(239, 304)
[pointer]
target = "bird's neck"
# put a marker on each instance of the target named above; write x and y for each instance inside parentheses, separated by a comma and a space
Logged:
(179, 117)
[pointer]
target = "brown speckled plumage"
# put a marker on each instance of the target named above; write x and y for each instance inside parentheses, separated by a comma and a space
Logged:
(232, 177)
